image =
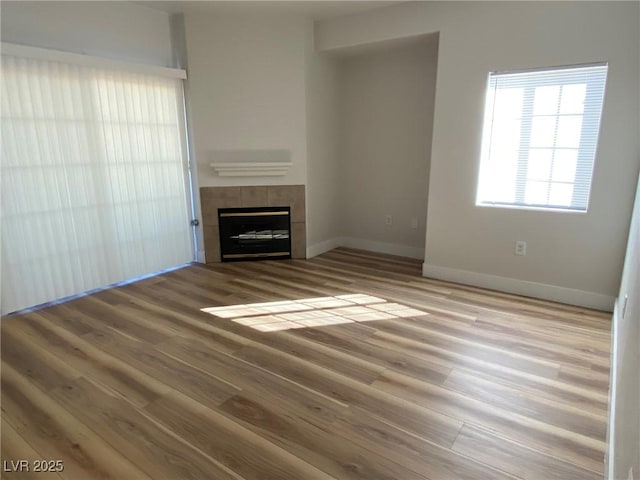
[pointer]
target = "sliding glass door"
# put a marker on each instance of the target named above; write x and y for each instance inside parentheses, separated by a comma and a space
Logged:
(94, 178)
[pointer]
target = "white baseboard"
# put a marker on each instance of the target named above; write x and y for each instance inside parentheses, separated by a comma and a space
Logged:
(383, 247)
(362, 244)
(503, 284)
(323, 247)
(521, 287)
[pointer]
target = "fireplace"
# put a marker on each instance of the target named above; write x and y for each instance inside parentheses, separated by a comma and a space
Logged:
(254, 233)
(213, 199)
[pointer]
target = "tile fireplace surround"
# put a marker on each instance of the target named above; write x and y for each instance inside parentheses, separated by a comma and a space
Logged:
(212, 198)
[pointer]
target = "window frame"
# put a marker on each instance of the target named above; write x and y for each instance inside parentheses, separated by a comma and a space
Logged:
(586, 151)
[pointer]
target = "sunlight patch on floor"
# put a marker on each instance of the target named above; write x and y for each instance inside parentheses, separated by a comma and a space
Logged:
(313, 312)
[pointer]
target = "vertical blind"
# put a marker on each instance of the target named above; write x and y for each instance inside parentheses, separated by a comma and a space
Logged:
(540, 137)
(94, 182)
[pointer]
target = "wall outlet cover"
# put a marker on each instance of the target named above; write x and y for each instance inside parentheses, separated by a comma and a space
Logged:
(520, 247)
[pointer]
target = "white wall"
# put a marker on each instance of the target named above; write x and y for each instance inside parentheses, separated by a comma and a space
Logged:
(120, 30)
(386, 101)
(624, 427)
(570, 257)
(323, 128)
(247, 91)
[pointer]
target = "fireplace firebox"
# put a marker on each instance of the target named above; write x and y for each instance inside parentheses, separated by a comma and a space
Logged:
(262, 233)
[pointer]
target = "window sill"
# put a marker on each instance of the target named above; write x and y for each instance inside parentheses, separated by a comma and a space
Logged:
(533, 208)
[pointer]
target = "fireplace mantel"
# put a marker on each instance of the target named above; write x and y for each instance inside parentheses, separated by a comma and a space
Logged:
(251, 169)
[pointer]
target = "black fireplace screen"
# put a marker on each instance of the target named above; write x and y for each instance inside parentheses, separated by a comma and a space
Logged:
(254, 233)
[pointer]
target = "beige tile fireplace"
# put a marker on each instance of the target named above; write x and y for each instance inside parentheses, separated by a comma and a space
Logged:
(212, 198)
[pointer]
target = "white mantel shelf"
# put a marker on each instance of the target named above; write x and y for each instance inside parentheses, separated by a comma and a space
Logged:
(251, 169)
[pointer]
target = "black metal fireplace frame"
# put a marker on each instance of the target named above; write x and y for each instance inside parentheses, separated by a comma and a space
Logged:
(254, 233)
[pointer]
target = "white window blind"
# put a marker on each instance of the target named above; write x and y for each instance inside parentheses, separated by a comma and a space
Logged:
(540, 137)
(94, 185)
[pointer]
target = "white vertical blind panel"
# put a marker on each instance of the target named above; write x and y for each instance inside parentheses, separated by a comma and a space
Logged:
(93, 179)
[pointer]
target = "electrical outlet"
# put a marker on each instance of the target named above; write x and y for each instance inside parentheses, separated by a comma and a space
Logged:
(387, 220)
(414, 223)
(521, 247)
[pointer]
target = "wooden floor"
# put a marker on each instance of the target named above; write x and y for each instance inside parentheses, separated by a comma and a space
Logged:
(136, 382)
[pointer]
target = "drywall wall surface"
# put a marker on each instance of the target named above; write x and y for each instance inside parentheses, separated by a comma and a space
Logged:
(120, 30)
(247, 93)
(582, 252)
(386, 114)
(625, 440)
(323, 128)
(384, 24)
(178, 41)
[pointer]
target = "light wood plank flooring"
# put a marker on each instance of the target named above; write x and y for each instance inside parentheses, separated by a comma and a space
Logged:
(137, 382)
